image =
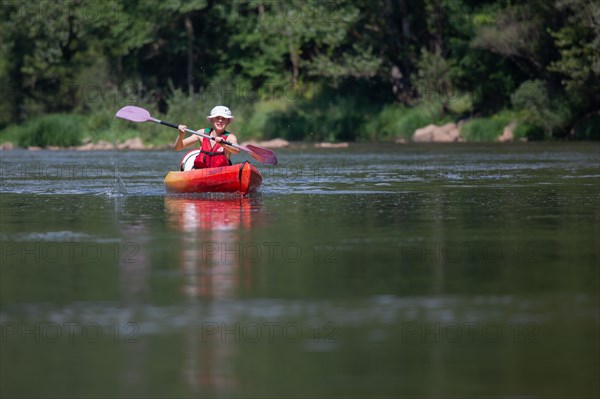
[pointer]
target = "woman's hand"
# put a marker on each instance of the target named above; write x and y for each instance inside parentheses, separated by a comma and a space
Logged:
(229, 148)
(179, 144)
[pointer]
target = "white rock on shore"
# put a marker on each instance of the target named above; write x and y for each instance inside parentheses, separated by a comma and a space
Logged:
(332, 145)
(447, 133)
(135, 143)
(508, 133)
(132, 144)
(100, 145)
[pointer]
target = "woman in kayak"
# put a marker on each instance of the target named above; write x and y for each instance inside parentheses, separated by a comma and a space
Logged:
(212, 154)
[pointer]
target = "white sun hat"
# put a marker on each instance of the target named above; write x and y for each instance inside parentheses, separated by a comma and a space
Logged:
(220, 110)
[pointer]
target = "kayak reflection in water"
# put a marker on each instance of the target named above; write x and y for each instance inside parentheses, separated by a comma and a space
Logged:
(215, 266)
(212, 154)
(211, 257)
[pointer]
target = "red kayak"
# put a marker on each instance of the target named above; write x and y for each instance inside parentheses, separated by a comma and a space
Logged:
(242, 178)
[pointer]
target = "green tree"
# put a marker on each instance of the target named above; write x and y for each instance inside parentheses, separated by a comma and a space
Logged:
(55, 55)
(539, 108)
(83, 56)
(578, 42)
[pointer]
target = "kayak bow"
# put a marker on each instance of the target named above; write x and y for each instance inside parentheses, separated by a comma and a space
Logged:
(241, 178)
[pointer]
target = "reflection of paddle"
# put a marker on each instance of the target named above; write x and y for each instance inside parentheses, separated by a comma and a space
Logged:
(137, 114)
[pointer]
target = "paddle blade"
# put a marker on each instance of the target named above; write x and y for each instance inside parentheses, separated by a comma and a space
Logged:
(261, 150)
(262, 155)
(269, 160)
(134, 114)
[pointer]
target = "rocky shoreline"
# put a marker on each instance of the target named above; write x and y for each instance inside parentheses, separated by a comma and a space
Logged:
(136, 143)
(448, 133)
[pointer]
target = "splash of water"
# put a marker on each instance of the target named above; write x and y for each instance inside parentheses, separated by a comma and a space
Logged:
(119, 186)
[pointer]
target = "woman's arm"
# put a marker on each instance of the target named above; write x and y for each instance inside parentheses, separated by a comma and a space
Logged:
(183, 143)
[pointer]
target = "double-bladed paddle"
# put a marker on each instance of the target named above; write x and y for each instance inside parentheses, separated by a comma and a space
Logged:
(137, 114)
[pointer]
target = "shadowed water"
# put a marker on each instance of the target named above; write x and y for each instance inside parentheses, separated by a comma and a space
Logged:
(390, 271)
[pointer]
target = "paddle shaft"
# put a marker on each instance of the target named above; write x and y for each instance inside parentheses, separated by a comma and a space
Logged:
(192, 132)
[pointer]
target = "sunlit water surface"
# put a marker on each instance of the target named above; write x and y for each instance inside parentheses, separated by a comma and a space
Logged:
(388, 271)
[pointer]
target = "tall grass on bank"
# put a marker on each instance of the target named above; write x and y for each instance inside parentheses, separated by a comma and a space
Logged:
(488, 129)
(398, 121)
(328, 117)
(485, 129)
(62, 130)
(331, 119)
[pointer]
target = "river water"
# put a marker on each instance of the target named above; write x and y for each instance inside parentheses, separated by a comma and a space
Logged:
(376, 270)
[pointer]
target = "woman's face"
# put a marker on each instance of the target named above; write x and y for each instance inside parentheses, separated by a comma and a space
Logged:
(220, 123)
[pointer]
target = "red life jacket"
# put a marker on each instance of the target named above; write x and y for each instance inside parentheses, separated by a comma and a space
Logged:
(211, 157)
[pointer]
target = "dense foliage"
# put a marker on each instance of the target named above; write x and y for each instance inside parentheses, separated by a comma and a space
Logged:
(306, 70)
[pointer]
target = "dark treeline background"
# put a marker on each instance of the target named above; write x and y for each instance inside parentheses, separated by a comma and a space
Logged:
(302, 70)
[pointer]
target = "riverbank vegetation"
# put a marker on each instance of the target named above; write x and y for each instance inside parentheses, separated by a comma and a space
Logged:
(333, 70)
